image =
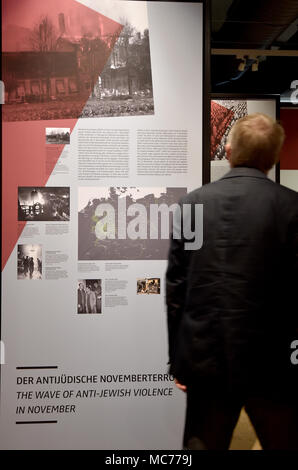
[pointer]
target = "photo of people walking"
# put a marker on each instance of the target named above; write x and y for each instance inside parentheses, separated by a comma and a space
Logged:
(29, 262)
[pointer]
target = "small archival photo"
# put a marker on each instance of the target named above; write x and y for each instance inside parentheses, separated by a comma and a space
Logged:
(29, 262)
(47, 204)
(89, 296)
(148, 286)
(58, 135)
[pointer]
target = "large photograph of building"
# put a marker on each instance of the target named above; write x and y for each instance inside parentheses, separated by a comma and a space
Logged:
(69, 61)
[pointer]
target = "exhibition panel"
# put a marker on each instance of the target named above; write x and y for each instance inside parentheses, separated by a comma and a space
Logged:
(102, 136)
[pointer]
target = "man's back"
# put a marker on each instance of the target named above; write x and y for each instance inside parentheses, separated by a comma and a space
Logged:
(231, 318)
(237, 323)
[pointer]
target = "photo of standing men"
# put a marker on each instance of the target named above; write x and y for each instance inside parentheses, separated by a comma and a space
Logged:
(89, 296)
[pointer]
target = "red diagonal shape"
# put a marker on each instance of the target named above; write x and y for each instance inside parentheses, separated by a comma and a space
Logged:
(23, 144)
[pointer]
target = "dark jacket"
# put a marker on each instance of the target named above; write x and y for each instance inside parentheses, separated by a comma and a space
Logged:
(232, 310)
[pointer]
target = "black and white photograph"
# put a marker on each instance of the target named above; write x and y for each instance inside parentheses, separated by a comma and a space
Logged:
(125, 215)
(63, 60)
(124, 87)
(224, 114)
(89, 296)
(148, 286)
(43, 204)
(58, 136)
(29, 262)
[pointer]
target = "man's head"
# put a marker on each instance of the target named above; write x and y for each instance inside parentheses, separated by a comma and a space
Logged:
(255, 141)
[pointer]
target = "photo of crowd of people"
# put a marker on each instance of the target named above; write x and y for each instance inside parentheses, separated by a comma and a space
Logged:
(29, 262)
(224, 114)
(43, 203)
(58, 136)
(91, 248)
(89, 296)
(148, 286)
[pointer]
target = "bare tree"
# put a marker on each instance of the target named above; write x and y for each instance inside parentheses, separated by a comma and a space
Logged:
(124, 49)
(95, 54)
(44, 37)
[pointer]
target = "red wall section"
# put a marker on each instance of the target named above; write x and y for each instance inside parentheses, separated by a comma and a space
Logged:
(289, 154)
(23, 164)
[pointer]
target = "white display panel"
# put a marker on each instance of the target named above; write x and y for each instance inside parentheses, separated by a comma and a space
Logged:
(91, 373)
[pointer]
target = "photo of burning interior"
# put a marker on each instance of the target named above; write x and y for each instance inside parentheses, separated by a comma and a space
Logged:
(148, 286)
(43, 203)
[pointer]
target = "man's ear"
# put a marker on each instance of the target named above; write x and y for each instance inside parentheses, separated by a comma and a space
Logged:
(228, 150)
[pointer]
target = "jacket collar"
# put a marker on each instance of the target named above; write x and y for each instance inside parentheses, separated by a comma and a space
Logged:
(245, 171)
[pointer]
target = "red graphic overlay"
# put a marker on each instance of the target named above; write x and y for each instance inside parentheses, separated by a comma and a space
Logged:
(289, 154)
(34, 29)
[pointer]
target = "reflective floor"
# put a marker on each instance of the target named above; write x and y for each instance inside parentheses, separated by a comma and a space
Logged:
(244, 437)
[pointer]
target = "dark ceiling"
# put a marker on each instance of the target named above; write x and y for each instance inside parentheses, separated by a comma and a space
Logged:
(268, 25)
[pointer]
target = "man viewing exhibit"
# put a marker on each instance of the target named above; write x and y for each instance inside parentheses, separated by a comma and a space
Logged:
(232, 319)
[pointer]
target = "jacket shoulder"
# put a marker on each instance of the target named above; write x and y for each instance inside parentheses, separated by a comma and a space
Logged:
(286, 192)
(197, 194)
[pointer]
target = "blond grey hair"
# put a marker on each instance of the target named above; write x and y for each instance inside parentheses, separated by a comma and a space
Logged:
(256, 141)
